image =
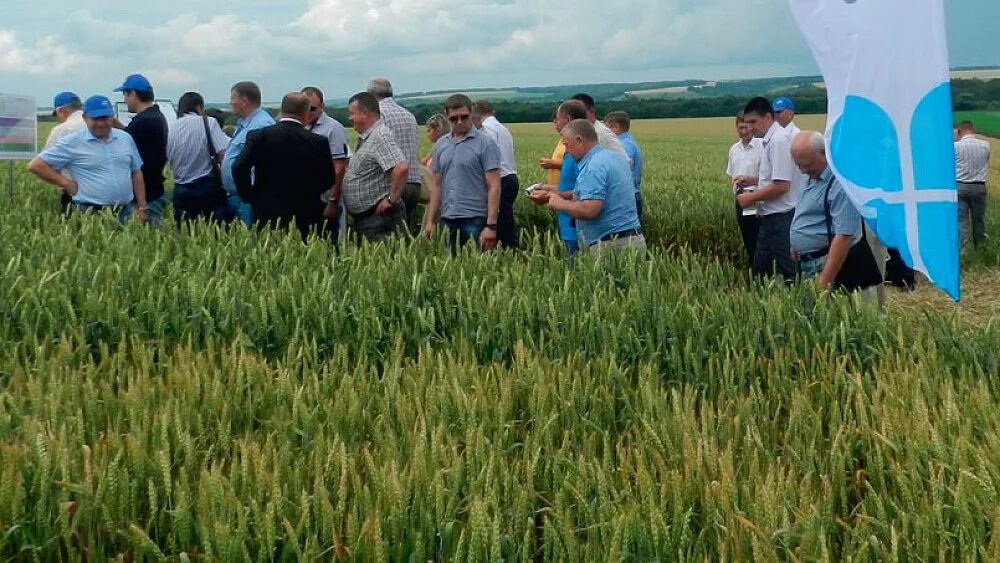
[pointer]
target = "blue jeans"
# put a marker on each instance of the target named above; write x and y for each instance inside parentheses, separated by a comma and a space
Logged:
(462, 231)
(200, 199)
(154, 211)
(240, 209)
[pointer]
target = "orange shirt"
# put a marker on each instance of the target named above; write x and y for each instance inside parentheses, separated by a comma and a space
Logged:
(552, 177)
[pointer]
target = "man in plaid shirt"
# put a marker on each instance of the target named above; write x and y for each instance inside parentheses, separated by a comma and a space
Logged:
(376, 174)
(403, 125)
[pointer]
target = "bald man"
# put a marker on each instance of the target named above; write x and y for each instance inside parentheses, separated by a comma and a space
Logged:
(827, 235)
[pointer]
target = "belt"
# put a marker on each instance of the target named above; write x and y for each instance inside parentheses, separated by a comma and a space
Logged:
(622, 234)
(815, 255)
(973, 183)
(115, 207)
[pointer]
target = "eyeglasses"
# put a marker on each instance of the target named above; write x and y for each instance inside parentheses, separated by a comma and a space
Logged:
(458, 118)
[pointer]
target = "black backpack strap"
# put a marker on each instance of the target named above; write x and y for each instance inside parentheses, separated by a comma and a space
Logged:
(212, 154)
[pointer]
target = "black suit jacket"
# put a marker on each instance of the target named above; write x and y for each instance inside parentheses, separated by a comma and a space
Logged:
(291, 167)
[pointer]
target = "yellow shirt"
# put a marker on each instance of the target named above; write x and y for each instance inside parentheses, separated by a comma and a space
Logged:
(557, 155)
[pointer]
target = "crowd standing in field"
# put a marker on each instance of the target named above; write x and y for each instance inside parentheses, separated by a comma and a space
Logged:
(794, 217)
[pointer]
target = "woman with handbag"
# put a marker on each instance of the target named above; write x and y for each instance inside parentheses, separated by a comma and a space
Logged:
(195, 146)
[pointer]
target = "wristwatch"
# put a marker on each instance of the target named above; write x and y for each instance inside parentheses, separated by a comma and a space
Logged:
(491, 226)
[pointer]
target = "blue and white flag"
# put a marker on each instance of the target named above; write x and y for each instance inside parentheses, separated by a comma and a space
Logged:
(889, 130)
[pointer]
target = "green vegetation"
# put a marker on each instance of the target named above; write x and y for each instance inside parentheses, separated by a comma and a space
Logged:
(986, 122)
(225, 396)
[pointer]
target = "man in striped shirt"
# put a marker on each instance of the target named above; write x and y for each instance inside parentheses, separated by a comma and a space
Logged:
(972, 162)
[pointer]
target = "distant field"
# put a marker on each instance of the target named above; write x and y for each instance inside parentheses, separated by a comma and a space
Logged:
(986, 122)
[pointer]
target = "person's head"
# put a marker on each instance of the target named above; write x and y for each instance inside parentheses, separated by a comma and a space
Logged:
(759, 115)
(743, 129)
(64, 105)
(218, 115)
(580, 137)
(437, 127)
(316, 104)
(567, 111)
(363, 110)
(458, 110)
(484, 108)
(588, 102)
(191, 102)
(295, 105)
(965, 128)
(784, 111)
(244, 98)
(99, 115)
(381, 88)
(477, 118)
(809, 153)
(618, 121)
(137, 92)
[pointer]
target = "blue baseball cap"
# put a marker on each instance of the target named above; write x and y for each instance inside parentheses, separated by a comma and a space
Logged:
(64, 99)
(781, 104)
(98, 106)
(135, 82)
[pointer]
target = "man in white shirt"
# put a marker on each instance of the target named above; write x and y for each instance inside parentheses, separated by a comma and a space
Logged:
(509, 185)
(68, 111)
(972, 164)
(743, 169)
(605, 136)
(774, 196)
(784, 114)
(195, 149)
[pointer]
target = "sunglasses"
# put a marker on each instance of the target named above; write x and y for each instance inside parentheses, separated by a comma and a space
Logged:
(458, 118)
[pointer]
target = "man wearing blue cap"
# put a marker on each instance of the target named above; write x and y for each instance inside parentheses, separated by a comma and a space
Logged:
(784, 114)
(149, 131)
(68, 111)
(245, 99)
(104, 164)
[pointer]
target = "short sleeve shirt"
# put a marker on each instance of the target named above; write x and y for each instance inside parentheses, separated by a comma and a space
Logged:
(809, 229)
(102, 169)
(330, 128)
(567, 183)
(404, 128)
(744, 160)
(149, 131)
(257, 120)
(368, 175)
(505, 142)
(187, 147)
(776, 164)
(462, 165)
(605, 177)
(634, 156)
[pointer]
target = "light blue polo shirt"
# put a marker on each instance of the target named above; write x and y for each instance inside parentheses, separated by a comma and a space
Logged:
(605, 176)
(462, 166)
(632, 150)
(102, 169)
(257, 120)
(808, 232)
(567, 183)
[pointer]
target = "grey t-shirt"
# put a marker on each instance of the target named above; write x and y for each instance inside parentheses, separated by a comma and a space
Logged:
(462, 166)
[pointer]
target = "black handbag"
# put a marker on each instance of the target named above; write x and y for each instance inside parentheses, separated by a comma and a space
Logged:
(214, 164)
(860, 269)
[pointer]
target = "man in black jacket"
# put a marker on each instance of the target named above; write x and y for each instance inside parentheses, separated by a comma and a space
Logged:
(290, 167)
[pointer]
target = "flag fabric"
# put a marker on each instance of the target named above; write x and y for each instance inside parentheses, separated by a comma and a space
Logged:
(889, 130)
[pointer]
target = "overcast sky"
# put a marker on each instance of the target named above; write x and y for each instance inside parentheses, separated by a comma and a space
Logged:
(52, 45)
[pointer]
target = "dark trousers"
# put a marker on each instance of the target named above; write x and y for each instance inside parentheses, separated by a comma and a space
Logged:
(201, 199)
(411, 199)
(638, 205)
(374, 228)
(463, 231)
(897, 272)
(506, 230)
(749, 225)
(972, 212)
(772, 255)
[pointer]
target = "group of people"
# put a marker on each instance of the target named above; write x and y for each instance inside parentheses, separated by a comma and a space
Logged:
(300, 170)
(795, 217)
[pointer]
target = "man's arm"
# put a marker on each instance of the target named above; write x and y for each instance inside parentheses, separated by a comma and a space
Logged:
(40, 168)
(835, 259)
(488, 238)
(433, 203)
(777, 189)
(242, 169)
(339, 169)
(139, 195)
(584, 210)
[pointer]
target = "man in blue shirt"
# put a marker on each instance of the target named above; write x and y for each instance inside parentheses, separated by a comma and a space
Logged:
(465, 180)
(826, 233)
(603, 202)
(244, 98)
(621, 125)
(103, 162)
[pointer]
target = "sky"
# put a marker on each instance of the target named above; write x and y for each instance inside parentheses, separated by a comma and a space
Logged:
(47, 46)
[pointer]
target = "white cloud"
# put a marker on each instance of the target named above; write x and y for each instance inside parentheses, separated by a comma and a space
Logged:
(45, 56)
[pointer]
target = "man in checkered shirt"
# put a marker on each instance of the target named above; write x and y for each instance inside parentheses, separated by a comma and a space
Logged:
(376, 174)
(404, 127)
